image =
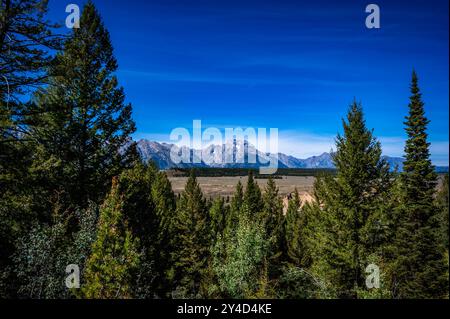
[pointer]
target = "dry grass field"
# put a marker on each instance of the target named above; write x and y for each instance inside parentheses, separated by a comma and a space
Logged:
(225, 185)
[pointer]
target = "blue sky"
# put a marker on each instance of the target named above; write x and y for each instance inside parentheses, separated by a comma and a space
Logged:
(292, 65)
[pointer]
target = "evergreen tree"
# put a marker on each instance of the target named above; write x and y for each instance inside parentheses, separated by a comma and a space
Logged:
(274, 224)
(235, 207)
(81, 120)
(420, 270)
(345, 206)
(272, 207)
(165, 207)
(252, 196)
(115, 257)
(442, 200)
(135, 187)
(296, 237)
(26, 38)
(193, 240)
(217, 217)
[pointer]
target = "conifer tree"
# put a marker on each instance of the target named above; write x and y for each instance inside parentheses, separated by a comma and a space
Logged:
(217, 217)
(272, 207)
(26, 40)
(135, 186)
(25, 37)
(442, 200)
(296, 237)
(235, 207)
(165, 208)
(192, 239)
(114, 257)
(274, 225)
(81, 120)
(252, 196)
(420, 270)
(345, 205)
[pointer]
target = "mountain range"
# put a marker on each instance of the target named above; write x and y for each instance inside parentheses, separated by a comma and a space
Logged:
(238, 153)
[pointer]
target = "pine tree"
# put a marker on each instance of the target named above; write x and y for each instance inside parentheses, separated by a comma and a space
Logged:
(420, 270)
(165, 208)
(217, 217)
(235, 207)
(193, 240)
(26, 38)
(296, 237)
(274, 224)
(115, 257)
(252, 196)
(345, 205)
(272, 212)
(81, 120)
(442, 200)
(135, 187)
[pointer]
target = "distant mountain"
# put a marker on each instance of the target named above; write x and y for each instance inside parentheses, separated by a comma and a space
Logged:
(322, 161)
(394, 162)
(159, 153)
(237, 154)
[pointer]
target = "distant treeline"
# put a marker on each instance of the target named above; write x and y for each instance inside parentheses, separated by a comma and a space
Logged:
(216, 172)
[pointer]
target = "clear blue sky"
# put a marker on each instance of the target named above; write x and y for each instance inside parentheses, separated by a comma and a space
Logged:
(293, 65)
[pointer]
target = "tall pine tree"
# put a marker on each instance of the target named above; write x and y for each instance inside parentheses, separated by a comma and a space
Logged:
(345, 204)
(442, 200)
(273, 220)
(26, 40)
(135, 186)
(235, 207)
(81, 121)
(252, 196)
(192, 239)
(165, 208)
(115, 256)
(296, 237)
(420, 270)
(217, 217)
